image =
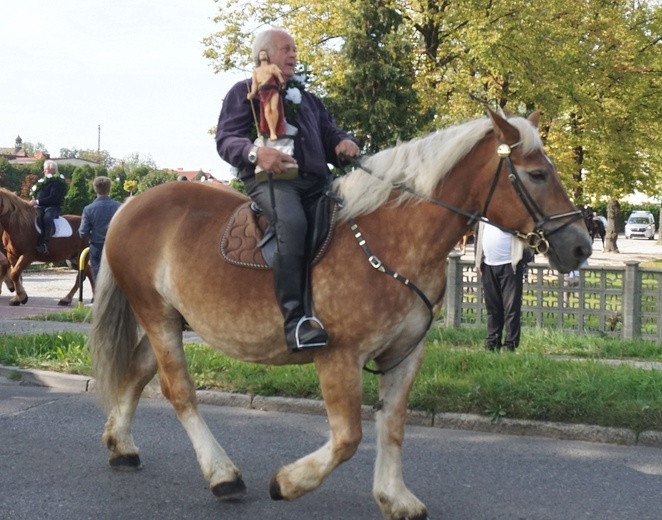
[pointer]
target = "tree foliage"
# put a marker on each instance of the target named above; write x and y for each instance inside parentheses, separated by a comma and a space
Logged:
(593, 68)
(79, 195)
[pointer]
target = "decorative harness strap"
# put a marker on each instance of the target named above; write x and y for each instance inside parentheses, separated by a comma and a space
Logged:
(380, 266)
(536, 239)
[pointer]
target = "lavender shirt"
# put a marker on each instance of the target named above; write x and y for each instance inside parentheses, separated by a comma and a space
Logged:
(314, 145)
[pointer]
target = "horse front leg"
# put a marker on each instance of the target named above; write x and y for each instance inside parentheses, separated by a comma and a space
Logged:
(177, 386)
(391, 494)
(341, 383)
(19, 265)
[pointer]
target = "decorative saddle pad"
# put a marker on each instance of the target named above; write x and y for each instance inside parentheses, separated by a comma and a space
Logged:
(62, 227)
(244, 243)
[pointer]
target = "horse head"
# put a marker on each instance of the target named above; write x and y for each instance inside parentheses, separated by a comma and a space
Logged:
(523, 193)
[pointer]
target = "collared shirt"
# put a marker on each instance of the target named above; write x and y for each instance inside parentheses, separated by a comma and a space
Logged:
(96, 218)
(314, 144)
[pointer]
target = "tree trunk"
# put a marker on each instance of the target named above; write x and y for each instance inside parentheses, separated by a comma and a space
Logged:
(659, 229)
(613, 211)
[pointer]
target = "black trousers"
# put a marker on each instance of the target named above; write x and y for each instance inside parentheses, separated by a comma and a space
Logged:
(46, 217)
(290, 197)
(502, 289)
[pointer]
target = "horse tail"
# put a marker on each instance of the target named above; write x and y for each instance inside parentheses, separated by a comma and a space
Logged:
(113, 337)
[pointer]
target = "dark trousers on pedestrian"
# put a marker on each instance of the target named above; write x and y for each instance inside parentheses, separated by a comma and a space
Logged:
(502, 289)
(95, 258)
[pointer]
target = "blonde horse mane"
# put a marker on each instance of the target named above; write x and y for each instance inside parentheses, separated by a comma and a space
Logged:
(19, 213)
(420, 164)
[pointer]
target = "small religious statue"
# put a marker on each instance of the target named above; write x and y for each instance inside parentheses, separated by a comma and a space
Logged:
(267, 83)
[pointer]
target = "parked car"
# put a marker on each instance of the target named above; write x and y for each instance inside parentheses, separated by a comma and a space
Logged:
(640, 224)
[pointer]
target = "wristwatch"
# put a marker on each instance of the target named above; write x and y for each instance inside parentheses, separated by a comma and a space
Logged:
(252, 154)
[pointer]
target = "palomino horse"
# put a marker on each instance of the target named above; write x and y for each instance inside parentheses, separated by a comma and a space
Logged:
(404, 210)
(17, 217)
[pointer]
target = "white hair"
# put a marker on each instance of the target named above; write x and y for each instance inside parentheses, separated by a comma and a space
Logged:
(50, 164)
(264, 42)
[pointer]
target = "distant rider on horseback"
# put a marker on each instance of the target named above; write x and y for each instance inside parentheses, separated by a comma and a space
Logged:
(48, 195)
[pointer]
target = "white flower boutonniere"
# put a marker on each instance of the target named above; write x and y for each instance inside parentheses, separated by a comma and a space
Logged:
(293, 96)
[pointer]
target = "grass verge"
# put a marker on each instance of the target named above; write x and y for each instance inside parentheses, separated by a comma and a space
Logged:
(457, 376)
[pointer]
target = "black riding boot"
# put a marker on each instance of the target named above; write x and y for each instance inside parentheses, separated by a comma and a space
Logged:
(42, 245)
(300, 333)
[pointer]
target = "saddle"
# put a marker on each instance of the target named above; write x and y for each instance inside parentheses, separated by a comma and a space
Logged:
(249, 240)
(62, 227)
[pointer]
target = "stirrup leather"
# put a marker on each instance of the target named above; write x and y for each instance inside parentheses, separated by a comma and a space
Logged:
(302, 320)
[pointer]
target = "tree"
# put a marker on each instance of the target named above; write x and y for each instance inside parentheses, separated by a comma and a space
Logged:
(33, 149)
(154, 178)
(101, 157)
(375, 100)
(593, 68)
(78, 195)
(118, 176)
(130, 186)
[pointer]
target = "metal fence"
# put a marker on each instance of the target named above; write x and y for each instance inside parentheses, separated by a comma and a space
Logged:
(618, 301)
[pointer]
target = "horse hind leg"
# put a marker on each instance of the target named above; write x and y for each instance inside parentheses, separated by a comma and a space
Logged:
(391, 494)
(341, 388)
(117, 436)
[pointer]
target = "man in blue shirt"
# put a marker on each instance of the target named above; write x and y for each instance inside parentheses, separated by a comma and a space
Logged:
(317, 142)
(95, 221)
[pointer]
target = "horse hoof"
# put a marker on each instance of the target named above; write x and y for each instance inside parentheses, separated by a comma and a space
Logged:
(230, 490)
(63, 302)
(126, 463)
(274, 489)
(422, 516)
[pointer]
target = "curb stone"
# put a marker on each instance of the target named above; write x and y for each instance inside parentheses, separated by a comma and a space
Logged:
(453, 421)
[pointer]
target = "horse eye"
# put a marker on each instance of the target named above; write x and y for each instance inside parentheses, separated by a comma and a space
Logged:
(537, 175)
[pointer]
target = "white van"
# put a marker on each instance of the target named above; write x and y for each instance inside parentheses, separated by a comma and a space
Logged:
(640, 224)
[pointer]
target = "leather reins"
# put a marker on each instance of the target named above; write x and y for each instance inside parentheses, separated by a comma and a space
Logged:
(536, 240)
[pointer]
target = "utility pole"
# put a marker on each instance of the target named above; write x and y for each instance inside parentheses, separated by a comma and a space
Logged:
(99, 140)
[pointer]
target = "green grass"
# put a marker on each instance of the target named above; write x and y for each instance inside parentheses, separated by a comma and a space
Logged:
(77, 315)
(457, 376)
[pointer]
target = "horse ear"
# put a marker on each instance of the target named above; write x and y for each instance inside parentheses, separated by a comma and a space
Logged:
(504, 130)
(534, 118)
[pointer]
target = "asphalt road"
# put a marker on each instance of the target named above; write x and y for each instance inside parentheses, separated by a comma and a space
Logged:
(53, 466)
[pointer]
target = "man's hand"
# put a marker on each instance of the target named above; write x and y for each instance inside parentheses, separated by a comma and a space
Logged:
(274, 161)
(348, 148)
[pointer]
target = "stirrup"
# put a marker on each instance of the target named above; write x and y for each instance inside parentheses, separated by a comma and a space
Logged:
(303, 346)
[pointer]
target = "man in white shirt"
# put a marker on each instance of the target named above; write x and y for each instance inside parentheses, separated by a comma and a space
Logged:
(499, 259)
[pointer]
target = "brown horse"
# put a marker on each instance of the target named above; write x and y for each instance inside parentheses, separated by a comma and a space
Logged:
(17, 217)
(404, 210)
(4, 266)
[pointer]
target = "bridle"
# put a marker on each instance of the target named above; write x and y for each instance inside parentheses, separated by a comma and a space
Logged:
(536, 239)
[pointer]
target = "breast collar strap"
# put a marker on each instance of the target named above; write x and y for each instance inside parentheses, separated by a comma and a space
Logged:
(383, 268)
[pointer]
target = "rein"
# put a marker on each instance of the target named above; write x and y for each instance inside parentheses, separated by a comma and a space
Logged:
(536, 239)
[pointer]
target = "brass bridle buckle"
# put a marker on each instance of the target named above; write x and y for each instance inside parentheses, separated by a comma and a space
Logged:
(537, 241)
